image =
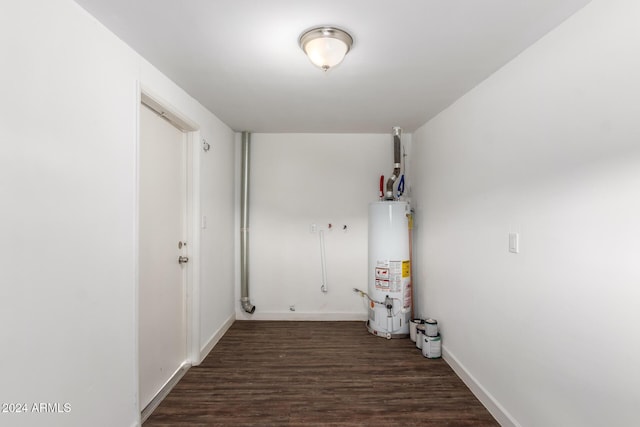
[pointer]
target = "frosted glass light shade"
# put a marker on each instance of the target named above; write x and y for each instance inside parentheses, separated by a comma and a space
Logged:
(326, 46)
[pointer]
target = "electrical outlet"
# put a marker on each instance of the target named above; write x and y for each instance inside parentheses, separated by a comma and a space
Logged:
(314, 228)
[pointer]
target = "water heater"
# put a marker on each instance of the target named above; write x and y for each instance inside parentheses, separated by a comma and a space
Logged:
(389, 269)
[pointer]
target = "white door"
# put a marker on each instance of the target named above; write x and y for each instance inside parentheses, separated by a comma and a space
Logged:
(161, 294)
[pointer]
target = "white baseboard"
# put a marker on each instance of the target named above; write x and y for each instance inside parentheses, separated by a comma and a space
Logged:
(294, 316)
(164, 392)
(493, 406)
(204, 351)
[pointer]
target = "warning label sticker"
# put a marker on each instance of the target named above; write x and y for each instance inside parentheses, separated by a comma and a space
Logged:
(382, 284)
(406, 268)
(382, 273)
(407, 296)
(389, 275)
(395, 276)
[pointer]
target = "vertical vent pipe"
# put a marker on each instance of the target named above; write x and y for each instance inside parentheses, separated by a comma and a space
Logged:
(396, 163)
(244, 226)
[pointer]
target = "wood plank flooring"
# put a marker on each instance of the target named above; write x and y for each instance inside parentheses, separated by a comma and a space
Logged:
(318, 374)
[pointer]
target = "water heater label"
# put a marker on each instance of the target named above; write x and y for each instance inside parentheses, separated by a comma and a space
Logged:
(382, 284)
(406, 268)
(382, 273)
(407, 296)
(395, 276)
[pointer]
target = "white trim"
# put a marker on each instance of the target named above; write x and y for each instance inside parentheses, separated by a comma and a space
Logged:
(215, 338)
(193, 241)
(136, 266)
(289, 315)
(186, 235)
(236, 225)
(166, 111)
(164, 391)
(493, 406)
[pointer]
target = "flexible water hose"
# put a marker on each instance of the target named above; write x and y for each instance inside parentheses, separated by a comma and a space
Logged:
(401, 186)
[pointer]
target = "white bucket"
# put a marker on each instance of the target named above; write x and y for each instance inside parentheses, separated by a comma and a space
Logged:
(419, 335)
(413, 327)
(431, 347)
(431, 327)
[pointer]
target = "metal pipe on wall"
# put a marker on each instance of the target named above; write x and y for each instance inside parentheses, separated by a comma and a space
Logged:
(323, 263)
(244, 226)
(396, 163)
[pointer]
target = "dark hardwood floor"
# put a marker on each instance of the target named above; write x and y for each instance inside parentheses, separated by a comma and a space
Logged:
(318, 374)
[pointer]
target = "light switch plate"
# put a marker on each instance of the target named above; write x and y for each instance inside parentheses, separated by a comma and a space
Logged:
(514, 243)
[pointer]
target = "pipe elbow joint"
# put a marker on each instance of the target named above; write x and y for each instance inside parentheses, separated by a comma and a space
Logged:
(247, 306)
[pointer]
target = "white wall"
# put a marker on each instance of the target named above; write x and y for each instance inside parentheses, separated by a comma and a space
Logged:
(303, 179)
(548, 147)
(68, 132)
(217, 266)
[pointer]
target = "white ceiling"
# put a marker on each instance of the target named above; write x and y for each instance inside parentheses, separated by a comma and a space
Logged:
(410, 59)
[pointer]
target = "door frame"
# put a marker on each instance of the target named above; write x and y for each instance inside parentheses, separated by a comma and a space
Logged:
(192, 224)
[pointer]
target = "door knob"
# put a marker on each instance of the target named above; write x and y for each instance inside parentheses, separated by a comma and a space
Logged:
(183, 259)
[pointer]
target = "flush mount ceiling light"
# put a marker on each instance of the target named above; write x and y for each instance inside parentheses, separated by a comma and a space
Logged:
(326, 46)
